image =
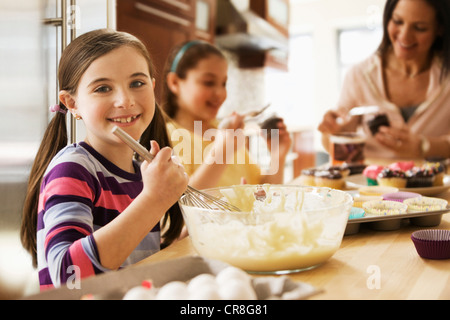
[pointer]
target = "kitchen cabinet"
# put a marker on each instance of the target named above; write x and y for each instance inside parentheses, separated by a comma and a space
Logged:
(276, 12)
(162, 24)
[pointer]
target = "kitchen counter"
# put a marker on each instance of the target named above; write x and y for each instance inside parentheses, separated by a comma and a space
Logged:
(369, 265)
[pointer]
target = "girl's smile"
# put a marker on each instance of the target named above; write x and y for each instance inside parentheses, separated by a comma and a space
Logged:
(112, 93)
(125, 119)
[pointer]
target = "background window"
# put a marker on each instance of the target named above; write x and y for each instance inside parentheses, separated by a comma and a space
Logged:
(355, 45)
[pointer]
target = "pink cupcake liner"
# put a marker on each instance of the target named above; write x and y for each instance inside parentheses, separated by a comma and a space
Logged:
(400, 196)
(432, 243)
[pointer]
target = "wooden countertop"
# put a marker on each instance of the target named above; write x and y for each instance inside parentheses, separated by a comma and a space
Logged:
(368, 265)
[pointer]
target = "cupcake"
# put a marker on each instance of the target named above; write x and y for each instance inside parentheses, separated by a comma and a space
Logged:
(377, 122)
(307, 177)
(438, 170)
(371, 173)
(402, 165)
(384, 208)
(419, 178)
(425, 204)
(345, 171)
(329, 178)
(392, 178)
(432, 243)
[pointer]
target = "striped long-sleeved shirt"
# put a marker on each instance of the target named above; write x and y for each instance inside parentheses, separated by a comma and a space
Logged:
(81, 192)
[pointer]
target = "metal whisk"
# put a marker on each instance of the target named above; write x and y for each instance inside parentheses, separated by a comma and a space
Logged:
(193, 197)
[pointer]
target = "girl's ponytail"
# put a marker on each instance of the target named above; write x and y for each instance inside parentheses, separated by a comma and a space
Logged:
(55, 138)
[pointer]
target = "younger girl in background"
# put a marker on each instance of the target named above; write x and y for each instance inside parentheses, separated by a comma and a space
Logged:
(91, 207)
(195, 89)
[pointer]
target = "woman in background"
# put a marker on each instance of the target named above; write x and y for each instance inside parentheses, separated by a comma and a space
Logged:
(408, 78)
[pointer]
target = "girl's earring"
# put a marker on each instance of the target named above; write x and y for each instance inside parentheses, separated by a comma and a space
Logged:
(77, 117)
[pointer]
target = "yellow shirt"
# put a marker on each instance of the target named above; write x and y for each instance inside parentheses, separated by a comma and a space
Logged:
(190, 148)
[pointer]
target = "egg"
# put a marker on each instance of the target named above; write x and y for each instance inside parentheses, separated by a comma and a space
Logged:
(230, 273)
(206, 291)
(236, 290)
(202, 280)
(139, 293)
(175, 290)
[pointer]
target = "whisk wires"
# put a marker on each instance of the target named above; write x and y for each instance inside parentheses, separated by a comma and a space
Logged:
(193, 197)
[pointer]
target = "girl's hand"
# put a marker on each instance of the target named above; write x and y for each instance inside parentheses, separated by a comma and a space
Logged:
(163, 178)
(401, 140)
(229, 134)
(233, 121)
(281, 138)
(283, 145)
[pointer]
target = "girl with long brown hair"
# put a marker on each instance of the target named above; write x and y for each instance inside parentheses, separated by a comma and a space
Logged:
(91, 206)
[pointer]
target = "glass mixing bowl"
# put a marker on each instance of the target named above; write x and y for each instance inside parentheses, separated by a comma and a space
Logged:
(281, 228)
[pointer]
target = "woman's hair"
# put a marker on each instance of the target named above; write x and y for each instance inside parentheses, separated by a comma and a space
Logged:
(183, 58)
(441, 46)
(75, 60)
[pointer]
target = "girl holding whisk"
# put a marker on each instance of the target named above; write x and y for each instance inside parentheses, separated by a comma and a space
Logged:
(91, 207)
(195, 89)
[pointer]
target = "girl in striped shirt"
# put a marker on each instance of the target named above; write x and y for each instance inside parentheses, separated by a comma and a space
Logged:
(91, 206)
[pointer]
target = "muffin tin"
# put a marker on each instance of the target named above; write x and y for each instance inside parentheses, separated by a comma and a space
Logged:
(394, 222)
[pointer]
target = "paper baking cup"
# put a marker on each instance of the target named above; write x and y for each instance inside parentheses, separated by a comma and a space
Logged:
(425, 204)
(400, 196)
(376, 190)
(356, 213)
(359, 200)
(384, 208)
(432, 243)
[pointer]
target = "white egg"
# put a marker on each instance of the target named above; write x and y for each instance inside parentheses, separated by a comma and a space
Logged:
(204, 279)
(236, 290)
(230, 273)
(139, 293)
(175, 290)
(205, 292)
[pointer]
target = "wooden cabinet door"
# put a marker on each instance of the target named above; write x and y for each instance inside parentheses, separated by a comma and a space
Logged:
(159, 30)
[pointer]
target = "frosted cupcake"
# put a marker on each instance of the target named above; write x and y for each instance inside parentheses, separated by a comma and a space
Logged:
(419, 178)
(329, 178)
(392, 178)
(307, 177)
(438, 170)
(371, 173)
(402, 165)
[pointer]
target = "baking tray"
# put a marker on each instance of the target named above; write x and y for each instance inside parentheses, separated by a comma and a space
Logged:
(394, 222)
(114, 284)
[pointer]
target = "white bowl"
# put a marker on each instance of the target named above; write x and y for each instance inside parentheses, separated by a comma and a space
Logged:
(282, 229)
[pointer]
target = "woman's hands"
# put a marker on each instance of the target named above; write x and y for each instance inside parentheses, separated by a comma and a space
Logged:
(335, 121)
(400, 140)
